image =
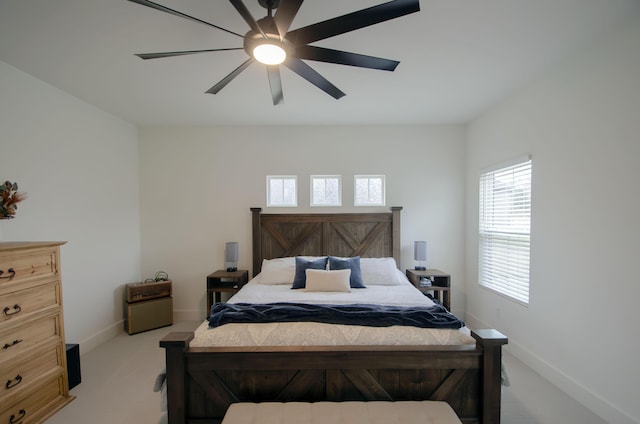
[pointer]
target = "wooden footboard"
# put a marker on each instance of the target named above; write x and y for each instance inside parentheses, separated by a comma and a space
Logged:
(203, 382)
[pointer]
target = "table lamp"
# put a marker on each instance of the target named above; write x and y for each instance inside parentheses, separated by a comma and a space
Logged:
(420, 254)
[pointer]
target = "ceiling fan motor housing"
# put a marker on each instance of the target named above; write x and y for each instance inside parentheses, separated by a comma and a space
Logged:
(269, 4)
(254, 38)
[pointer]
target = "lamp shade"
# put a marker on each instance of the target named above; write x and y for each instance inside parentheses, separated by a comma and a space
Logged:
(420, 250)
(231, 251)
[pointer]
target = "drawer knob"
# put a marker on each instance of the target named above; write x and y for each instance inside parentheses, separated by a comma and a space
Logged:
(15, 419)
(11, 271)
(7, 311)
(15, 342)
(11, 384)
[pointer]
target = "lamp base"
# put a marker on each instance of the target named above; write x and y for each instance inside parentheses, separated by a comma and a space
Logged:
(420, 268)
(232, 269)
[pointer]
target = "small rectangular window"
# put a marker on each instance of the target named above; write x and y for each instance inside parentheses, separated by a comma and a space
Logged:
(282, 190)
(504, 230)
(369, 190)
(326, 190)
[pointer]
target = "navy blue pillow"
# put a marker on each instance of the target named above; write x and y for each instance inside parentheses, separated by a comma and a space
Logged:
(300, 279)
(353, 264)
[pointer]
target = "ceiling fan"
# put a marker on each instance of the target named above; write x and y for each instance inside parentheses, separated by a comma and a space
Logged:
(270, 41)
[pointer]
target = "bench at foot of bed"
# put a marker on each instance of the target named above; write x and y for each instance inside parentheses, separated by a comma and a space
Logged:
(423, 412)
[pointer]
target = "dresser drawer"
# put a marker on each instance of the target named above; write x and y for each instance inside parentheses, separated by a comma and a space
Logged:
(22, 373)
(35, 405)
(21, 340)
(19, 266)
(33, 374)
(22, 303)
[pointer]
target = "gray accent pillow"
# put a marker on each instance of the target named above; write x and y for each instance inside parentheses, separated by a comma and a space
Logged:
(300, 278)
(355, 281)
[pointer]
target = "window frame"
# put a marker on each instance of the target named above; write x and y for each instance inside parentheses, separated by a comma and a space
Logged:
(271, 178)
(369, 178)
(504, 229)
(312, 200)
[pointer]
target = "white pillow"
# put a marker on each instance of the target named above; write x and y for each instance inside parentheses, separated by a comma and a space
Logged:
(328, 281)
(277, 271)
(381, 272)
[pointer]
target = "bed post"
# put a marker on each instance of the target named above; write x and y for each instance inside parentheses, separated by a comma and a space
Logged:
(175, 345)
(491, 342)
(395, 236)
(257, 237)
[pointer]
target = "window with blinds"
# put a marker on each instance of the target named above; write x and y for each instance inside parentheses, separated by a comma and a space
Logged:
(504, 230)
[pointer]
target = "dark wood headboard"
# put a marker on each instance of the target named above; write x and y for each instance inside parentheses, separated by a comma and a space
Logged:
(368, 235)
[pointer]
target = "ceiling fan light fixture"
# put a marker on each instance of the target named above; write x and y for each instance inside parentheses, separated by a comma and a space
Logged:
(269, 53)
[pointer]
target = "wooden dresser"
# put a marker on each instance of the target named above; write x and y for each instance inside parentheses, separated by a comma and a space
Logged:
(33, 370)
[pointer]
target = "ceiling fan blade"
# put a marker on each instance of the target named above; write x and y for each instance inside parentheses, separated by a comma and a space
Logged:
(306, 72)
(322, 54)
(273, 71)
(285, 13)
(146, 56)
(247, 16)
(353, 21)
(180, 14)
(226, 80)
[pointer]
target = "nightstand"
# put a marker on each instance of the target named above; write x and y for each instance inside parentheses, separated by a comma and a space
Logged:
(224, 281)
(440, 284)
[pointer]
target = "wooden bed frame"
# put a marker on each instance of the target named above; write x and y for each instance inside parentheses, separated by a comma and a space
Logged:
(203, 382)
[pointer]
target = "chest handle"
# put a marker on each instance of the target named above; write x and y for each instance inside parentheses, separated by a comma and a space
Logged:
(11, 271)
(15, 342)
(15, 419)
(16, 309)
(11, 384)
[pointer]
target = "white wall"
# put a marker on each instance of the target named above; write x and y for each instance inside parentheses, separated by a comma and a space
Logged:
(197, 185)
(581, 125)
(79, 167)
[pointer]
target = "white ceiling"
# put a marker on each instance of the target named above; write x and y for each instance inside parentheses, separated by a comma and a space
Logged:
(457, 58)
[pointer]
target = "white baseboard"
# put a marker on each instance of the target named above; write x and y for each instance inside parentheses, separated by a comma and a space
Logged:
(117, 328)
(599, 406)
(90, 343)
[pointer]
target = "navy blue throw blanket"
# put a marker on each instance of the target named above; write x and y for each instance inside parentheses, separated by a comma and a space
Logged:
(354, 314)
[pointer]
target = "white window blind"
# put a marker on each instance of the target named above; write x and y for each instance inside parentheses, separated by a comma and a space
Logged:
(505, 222)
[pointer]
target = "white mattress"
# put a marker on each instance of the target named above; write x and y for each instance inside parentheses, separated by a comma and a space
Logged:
(409, 412)
(319, 334)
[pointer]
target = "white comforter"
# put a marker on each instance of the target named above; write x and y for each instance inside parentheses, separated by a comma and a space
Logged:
(315, 334)
(399, 295)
